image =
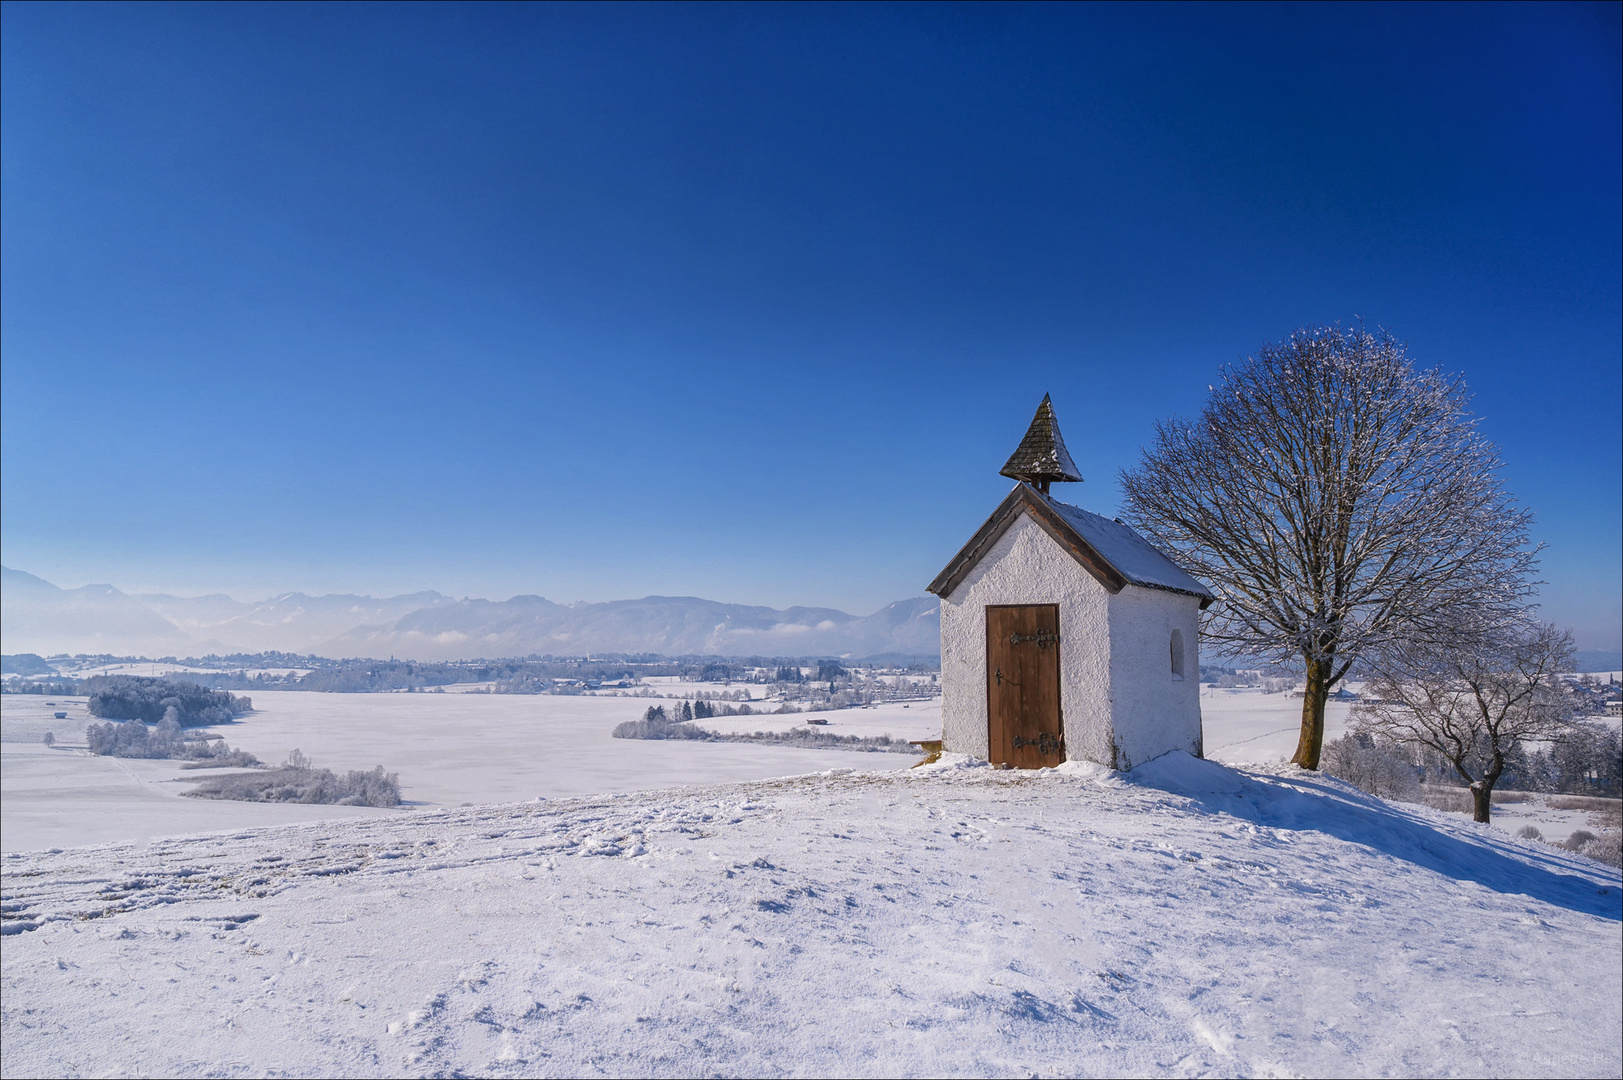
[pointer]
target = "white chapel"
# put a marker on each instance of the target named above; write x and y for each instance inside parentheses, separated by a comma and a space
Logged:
(1065, 635)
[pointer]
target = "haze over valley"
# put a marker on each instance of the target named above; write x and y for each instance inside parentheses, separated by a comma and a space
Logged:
(41, 618)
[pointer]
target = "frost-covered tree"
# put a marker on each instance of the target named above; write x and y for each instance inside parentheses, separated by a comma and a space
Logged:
(1336, 500)
(1378, 769)
(1474, 704)
(1588, 760)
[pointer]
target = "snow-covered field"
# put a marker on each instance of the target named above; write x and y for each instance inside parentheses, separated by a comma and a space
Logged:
(1247, 726)
(449, 749)
(1183, 919)
(457, 749)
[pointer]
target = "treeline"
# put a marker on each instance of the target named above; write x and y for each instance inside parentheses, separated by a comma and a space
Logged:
(827, 671)
(1588, 760)
(656, 720)
(700, 709)
(135, 697)
(296, 780)
(522, 675)
(54, 687)
(385, 676)
(526, 676)
(656, 724)
(133, 739)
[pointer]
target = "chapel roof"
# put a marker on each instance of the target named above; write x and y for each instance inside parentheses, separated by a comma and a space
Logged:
(1041, 456)
(1111, 551)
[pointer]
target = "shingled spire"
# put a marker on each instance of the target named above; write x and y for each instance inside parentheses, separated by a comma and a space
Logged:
(1041, 457)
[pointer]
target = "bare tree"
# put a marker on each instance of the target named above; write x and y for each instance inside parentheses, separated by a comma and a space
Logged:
(1473, 705)
(1336, 500)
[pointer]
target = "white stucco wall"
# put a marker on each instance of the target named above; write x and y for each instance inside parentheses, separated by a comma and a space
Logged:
(1025, 566)
(1153, 712)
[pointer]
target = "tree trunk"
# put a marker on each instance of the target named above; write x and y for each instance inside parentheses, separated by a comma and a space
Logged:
(1315, 693)
(1482, 790)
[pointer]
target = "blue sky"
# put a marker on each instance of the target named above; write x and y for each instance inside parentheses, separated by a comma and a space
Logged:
(751, 302)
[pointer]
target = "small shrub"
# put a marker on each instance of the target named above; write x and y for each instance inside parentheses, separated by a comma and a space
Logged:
(1607, 849)
(1528, 832)
(50, 738)
(1578, 839)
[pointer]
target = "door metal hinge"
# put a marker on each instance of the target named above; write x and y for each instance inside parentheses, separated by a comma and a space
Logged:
(1046, 742)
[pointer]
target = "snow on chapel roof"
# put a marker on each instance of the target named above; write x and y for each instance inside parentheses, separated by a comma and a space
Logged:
(1134, 557)
(1109, 550)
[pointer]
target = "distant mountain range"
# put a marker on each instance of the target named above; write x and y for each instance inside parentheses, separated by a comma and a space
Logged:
(38, 617)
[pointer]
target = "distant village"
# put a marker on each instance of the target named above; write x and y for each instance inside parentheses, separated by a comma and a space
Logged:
(790, 684)
(786, 684)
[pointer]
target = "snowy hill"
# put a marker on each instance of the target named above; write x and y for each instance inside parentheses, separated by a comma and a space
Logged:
(1183, 919)
(41, 618)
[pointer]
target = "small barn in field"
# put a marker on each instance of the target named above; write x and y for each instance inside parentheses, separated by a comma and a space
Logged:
(1065, 635)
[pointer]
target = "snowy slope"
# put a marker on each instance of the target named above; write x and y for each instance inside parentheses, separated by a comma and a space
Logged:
(1184, 919)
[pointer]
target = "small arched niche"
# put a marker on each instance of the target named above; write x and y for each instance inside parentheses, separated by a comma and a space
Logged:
(1177, 656)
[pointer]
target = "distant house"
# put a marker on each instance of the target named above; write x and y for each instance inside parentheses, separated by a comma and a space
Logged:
(1065, 635)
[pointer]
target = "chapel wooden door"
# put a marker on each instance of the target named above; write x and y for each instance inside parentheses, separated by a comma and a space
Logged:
(1024, 726)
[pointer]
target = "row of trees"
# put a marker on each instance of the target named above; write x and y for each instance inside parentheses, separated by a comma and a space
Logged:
(1476, 704)
(297, 780)
(699, 709)
(133, 739)
(657, 724)
(1348, 515)
(1587, 760)
(52, 688)
(133, 697)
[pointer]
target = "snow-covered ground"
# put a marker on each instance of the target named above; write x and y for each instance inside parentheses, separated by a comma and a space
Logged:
(1183, 919)
(449, 749)
(457, 749)
(1555, 824)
